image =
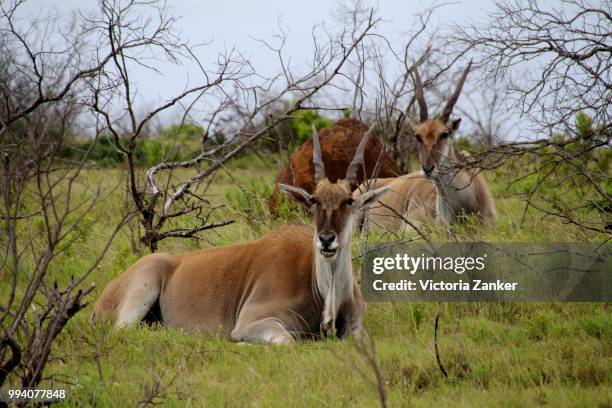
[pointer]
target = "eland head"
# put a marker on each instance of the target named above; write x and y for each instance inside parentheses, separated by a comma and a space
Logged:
(334, 204)
(434, 135)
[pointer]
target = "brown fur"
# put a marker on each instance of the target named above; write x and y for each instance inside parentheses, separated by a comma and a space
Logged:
(430, 133)
(335, 206)
(415, 197)
(272, 290)
(211, 289)
(338, 145)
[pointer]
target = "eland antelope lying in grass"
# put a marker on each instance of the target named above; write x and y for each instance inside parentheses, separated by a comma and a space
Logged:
(442, 190)
(295, 282)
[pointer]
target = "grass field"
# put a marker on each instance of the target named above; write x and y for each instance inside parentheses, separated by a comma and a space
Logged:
(515, 354)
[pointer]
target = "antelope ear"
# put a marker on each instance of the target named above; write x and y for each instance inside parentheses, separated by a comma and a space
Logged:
(368, 198)
(454, 124)
(295, 191)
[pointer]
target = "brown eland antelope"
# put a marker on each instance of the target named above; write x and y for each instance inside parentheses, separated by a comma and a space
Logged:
(338, 144)
(441, 190)
(296, 282)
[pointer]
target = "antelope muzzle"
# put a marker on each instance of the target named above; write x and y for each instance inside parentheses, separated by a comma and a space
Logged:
(428, 169)
(327, 243)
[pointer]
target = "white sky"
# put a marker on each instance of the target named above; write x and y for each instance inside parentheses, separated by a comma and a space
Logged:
(232, 23)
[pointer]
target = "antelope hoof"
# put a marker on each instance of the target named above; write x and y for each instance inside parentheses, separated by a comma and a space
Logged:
(328, 329)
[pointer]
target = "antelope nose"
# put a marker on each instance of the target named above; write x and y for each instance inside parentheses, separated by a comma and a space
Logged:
(428, 168)
(327, 238)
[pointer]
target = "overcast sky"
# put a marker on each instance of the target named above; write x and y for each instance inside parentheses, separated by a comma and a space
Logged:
(231, 23)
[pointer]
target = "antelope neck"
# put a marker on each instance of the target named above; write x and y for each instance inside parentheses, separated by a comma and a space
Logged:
(334, 280)
(451, 187)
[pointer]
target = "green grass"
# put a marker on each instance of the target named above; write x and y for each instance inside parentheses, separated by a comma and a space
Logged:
(518, 354)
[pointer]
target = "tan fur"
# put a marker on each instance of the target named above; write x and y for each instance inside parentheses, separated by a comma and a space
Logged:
(442, 191)
(410, 196)
(416, 197)
(331, 214)
(221, 290)
(295, 282)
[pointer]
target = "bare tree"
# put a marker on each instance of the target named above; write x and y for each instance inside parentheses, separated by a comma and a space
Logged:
(231, 88)
(366, 364)
(42, 215)
(486, 115)
(555, 65)
(45, 86)
(382, 85)
(555, 61)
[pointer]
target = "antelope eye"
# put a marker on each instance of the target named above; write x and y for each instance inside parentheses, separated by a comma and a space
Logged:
(312, 201)
(350, 201)
(444, 135)
(418, 138)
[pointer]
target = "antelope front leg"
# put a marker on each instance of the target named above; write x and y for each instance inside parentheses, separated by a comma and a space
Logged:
(328, 328)
(328, 318)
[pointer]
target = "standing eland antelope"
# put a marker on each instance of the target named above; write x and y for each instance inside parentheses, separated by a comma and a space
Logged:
(295, 282)
(441, 190)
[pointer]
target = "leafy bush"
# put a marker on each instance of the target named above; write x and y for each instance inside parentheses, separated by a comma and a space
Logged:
(103, 153)
(302, 123)
(291, 133)
(177, 142)
(252, 202)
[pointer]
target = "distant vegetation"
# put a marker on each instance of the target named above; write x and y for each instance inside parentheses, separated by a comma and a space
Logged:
(176, 142)
(183, 142)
